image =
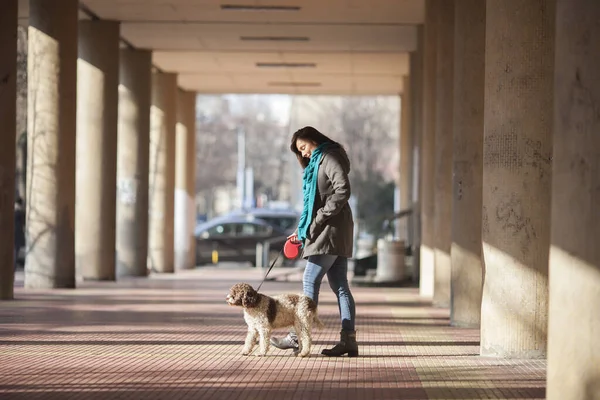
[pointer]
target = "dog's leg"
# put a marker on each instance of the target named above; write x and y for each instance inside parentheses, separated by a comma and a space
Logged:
(304, 339)
(265, 341)
(250, 341)
(303, 346)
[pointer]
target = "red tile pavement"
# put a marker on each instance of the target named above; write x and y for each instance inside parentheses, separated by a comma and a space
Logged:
(173, 337)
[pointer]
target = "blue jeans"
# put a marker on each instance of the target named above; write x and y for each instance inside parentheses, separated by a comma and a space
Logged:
(336, 269)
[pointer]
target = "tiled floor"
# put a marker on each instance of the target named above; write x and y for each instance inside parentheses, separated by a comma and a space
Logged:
(173, 337)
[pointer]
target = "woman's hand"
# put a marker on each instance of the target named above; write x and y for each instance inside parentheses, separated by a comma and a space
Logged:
(293, 237)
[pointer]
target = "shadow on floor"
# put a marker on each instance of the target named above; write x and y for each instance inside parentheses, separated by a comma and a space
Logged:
(320, 390)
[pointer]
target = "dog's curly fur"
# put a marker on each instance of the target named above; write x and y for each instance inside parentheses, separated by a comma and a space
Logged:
(263, 314)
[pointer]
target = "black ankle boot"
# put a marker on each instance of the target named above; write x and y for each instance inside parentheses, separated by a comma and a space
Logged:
(346, 345)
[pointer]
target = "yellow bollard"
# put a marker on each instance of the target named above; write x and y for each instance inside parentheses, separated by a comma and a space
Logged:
(215, 256)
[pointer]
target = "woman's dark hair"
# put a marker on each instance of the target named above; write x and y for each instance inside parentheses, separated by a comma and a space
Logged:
(308, 133)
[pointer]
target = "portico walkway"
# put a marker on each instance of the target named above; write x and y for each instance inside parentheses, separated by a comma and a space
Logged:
(173, 337)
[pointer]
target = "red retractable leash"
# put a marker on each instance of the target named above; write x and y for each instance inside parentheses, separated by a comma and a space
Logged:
(291, 249)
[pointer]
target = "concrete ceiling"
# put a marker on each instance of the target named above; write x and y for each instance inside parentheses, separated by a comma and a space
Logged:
(344, 47)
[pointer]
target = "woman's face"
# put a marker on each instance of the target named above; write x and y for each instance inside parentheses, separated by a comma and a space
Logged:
(305, 147)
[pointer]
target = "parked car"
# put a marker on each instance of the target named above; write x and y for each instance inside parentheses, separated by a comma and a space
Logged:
(234, 238)
(284, 220)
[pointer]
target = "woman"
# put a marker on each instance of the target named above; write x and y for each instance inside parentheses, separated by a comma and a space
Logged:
(326, 230)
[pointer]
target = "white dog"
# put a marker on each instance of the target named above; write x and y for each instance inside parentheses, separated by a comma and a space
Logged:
(263, 314)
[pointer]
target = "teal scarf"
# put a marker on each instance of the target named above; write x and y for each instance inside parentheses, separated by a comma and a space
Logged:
(309, 190)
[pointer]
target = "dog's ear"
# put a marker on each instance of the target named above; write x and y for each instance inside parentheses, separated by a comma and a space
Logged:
(250, 298)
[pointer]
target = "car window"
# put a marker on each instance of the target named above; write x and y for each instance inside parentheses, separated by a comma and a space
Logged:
(221, 230)
(283, 223)
(249, 229)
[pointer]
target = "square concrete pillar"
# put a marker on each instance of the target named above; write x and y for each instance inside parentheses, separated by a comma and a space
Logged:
(469, 83)
(96, 176)
(427, 248)
(443, 153)
(52, 105)
(406, 158)
(8, 120)
(185, 176)
(163, 119)
(135, 90)
(517, 176)
(574, 317)
(416, 85)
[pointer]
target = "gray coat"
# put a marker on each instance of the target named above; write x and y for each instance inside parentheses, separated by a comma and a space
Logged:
(332, 228)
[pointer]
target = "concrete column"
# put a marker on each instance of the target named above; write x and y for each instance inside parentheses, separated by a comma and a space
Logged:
(469, 81)
(443, 153)
(574, 325)
(416, 85)
(191, 181)
(96, 176)
(427, 255)
(163, 119)
(52, 105)
(184, 180)
(135, 83)
(8, 121)
(21, 134)
(517, 166)
(406, 150)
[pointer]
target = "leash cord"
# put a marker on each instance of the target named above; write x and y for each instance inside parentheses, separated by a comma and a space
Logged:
(270, 268)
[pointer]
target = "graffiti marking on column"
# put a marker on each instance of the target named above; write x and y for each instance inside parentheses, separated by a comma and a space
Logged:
(127, 190)
(512, 217)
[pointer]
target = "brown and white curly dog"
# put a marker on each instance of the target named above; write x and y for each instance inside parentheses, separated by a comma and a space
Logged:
(263, 314)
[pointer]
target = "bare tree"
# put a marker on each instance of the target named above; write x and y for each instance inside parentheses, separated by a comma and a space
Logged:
(368, 127)
(216, 146)
(217, 125)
